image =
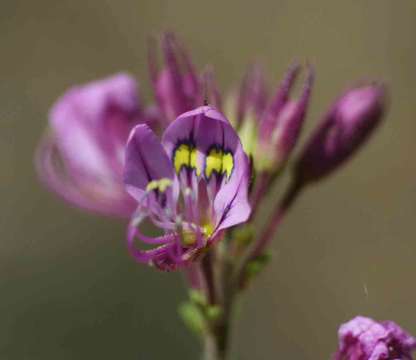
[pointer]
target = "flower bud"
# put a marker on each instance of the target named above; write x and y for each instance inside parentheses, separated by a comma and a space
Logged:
(245, 107)
(345, 128)
(282, 122)
(176, 85)
(364, 338)
(252, 96)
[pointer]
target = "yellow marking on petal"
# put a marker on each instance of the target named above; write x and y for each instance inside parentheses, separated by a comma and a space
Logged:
(213, 162)
(193, 161)
(181, 157)
(227, 164)
(185, 155)
(160, 185)
(220, 162)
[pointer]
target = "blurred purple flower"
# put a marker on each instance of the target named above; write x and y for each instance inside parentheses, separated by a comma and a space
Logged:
(81, 157)
(365, 339)
(345, 128)
(193, 185)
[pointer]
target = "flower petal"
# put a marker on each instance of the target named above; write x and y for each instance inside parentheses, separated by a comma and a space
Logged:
(233, 210)
(146, 161)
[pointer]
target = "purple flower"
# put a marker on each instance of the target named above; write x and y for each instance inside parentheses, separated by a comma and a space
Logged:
(177, 86)
(344, 129)
(365, 339)
(192, 185)
(82, 156)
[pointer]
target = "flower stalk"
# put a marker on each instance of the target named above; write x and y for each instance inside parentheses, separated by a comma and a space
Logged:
(278, 214)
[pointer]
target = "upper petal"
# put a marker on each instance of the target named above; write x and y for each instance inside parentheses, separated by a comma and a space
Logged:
(201, 129)
(218, 153)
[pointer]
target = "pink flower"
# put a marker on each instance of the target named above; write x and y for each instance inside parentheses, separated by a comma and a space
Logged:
(365, 339)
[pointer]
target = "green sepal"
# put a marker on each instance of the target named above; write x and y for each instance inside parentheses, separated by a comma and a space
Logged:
(249, 133)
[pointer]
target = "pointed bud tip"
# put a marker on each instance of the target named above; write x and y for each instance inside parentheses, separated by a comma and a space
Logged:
(361, 103)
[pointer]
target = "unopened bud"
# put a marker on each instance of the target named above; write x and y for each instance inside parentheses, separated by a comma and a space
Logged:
(345, 128)
(282, 122)
(176, 84)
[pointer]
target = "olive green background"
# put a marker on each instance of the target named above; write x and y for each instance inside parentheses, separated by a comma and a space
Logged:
(68, 289)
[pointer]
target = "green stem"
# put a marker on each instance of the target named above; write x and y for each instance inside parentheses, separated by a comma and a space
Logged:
(211, 348)
(221, 293)
(216, 339)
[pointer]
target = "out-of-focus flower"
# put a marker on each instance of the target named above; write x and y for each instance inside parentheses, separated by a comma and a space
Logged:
(193, 185)
(347, 125)
(270, 128)
(81, 157)
(363, 338)
(176, 84)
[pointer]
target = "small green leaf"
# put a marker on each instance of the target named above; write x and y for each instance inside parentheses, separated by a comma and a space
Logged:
(244, 235)
(192, 317)
(213, 312)
(198, 298)
(255, 266)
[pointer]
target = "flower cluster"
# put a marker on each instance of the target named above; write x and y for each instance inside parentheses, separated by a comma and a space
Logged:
(193, 185)
(199, 171)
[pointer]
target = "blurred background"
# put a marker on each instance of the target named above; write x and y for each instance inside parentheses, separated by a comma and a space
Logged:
(69, 290)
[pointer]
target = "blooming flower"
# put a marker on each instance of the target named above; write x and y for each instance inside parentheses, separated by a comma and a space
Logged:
(347, 125)
(363, 338)
(81, 158)
(193, 185)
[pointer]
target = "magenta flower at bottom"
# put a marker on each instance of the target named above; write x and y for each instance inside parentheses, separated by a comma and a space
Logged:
(365, 339)
(192, 185)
